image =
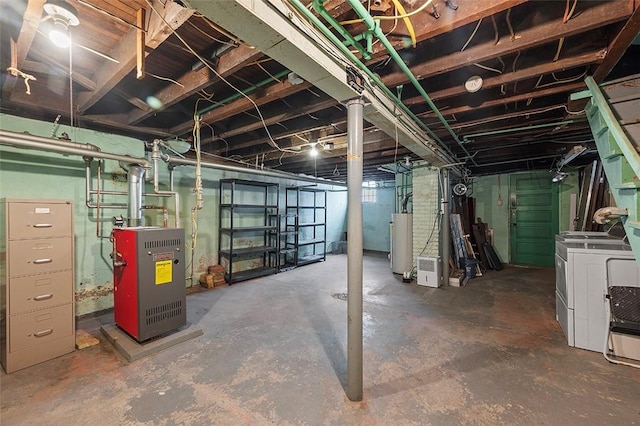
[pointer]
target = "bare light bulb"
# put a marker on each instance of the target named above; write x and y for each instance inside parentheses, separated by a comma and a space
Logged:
(314, 151)
(59, 35)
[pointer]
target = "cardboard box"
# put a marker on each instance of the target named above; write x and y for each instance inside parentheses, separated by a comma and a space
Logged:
(457, 278)
(625, 345)
(212, 280)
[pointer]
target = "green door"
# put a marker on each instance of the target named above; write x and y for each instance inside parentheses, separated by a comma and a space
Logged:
(533, 218)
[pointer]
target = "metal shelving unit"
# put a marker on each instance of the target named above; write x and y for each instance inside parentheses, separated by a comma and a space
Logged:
(285, 253)
(245, 245)
(308, 207)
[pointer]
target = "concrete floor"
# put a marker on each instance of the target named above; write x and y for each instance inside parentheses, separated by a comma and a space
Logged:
(273, 352)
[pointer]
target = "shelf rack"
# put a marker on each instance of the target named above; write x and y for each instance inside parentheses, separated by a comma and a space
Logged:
(306, 207)
(245, 245)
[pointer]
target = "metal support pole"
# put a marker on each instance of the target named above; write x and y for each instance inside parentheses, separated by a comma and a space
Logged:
(445, 234)
(355, 138)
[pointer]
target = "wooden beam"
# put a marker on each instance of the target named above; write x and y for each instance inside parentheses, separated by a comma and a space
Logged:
(21, 46)
(618, 46)
(511, 77)
(44, 60)
(259, 97)
(501, 101)
(140, 43)
(110, 74)
(136, 102)
(594, 17)
(194, 81)
(310, 109)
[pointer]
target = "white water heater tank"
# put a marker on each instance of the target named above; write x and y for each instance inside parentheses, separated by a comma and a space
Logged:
(401, 242)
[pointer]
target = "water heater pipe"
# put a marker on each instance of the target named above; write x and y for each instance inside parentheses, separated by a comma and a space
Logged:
(405, 201)
(156, 155)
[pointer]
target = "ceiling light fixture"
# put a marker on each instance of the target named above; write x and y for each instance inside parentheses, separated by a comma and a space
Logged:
(64, 16)
(473, 84)
(559, 176)
(314, 151)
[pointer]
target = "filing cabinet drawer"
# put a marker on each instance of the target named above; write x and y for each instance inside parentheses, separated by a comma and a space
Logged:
(40, 291)
(39, 220)
(27, 257)
(38, 327)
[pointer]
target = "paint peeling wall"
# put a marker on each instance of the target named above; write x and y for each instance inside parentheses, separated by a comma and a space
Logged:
(36, 174)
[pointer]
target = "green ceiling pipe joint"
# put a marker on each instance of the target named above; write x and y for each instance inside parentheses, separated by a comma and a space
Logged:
(371, 24)
(354, 59)
(318, 5)
(244, 92)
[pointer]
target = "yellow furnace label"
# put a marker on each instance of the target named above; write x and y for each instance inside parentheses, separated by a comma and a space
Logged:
(164, 272)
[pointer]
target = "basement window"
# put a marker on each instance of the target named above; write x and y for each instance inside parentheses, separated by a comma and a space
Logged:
(369, 192)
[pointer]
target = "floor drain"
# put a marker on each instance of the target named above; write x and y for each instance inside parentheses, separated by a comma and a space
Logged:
(340, 296)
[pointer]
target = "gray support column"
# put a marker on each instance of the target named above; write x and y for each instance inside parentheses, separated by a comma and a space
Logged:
(355, 109)
(445, 234)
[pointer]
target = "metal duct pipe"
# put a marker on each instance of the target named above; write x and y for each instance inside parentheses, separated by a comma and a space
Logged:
(155, 156)
(177, 161)
(135, 177)
(55, 145)
(445, 232)
(88, 199)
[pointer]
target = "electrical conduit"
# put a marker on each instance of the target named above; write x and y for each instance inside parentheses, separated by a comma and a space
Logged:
(327, 33)
(377, 31)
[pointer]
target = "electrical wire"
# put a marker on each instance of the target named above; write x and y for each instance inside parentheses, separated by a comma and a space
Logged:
(390, 18)
(159, 77)
(472, 34)
(407, 22)
(568, 13)
(484, 67)
(210, 36)
(217, 28)
(508, 19)
(220, 76)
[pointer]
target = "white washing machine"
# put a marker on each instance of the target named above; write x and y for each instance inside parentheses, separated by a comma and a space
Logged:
(581, 284)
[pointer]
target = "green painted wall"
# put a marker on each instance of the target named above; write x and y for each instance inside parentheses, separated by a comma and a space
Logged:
(568, 187)
(486, 191)
(38, 174)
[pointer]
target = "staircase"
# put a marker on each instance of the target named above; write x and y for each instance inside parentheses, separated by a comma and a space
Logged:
(613, 116)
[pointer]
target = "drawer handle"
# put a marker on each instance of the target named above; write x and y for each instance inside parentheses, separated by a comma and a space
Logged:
(43, 225)
(41, 261)
(43, 297)
(43, 332)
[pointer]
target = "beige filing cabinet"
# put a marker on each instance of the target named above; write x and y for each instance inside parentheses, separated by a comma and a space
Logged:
(37, 301)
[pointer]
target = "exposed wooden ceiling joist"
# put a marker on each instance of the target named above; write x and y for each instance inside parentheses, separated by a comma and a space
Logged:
(159, 29)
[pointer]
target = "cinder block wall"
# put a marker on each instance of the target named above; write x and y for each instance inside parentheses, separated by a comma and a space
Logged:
(426, 203)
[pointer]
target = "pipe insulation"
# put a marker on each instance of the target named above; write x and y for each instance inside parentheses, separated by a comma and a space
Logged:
(135, 178)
